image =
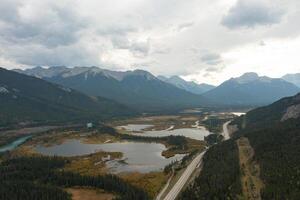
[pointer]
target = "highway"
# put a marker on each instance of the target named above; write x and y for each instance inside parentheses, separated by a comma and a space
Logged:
(225, 131)
(173, 193)
(162, 192)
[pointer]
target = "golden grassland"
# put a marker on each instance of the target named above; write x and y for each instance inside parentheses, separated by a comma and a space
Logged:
(59, 137)
(92, 164)
(84, 193)
(24, 150)
(151, 182)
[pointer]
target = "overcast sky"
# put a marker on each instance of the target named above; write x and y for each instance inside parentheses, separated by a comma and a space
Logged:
(202, 40)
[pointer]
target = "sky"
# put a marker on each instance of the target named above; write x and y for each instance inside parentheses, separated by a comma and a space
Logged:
(201, 40)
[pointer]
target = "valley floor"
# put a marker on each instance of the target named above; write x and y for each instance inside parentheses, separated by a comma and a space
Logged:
(95, 165)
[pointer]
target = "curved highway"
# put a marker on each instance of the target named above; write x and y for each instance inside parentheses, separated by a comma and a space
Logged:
(173, 193)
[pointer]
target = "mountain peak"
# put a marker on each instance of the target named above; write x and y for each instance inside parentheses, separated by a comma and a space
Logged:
(247, 77)
(292, 78)
(189, 86)
(177, 78)
(139, 72)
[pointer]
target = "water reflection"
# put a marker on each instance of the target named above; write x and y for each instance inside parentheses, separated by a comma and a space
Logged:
(137, 156)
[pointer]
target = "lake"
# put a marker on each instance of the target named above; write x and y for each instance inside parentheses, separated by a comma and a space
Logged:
(135, 127)
(197, 133)
(137, 156)
(14, 144)
(238, 113)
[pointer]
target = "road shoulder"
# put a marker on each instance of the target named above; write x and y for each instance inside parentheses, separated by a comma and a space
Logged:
(250, 170)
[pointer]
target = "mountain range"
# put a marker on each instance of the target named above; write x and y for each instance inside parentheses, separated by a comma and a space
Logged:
(187, 85)
(28, 99)
(137, 89)
(292, 78)
(145, 92)
(251, 89)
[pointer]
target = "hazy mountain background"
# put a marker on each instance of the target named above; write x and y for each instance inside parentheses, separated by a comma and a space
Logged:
(187, 85)
(292, 78)
(145, 92)
(137, 89)
(251, 89)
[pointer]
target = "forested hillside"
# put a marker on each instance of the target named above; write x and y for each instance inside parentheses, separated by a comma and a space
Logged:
(274, 135)
(269, 115)
(28, 99)
(36, 178)
(220, 177)
(277, 150)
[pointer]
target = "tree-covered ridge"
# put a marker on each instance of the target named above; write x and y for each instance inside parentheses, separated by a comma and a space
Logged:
(267, 115)
(277, 150)
(29, 99)
(42, 178)
(220, 176)
(277, 147)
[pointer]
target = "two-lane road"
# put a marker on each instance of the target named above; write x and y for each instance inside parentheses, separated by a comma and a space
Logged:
(173, 193)
(225, 131)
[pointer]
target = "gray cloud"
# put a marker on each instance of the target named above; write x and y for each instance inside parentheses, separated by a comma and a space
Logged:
(120, 42)
(184, 26)
(214, 69)
(116, 29)
(164, 37)
(262, 43)
(251, 13)
(211, 58)
(62, 55)
(50, 25)
(140, 48)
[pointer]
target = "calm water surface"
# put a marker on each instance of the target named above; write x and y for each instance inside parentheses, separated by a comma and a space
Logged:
(137, 156)
(135, 127)
(15, 143)
(194, 133)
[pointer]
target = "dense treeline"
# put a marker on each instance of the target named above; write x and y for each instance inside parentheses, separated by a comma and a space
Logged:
(188, 157)
(42, 178)
(277, 150)
(219, 178)
(178, 165)
(214, 124)
(277, 147)
(17, 190)
(213, 138)
(178, 141)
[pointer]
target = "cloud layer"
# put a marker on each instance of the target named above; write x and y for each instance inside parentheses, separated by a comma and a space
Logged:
(199, 40)
(247, 13)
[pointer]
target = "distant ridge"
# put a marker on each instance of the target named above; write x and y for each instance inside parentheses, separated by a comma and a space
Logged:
(189, 86)
(251, 90)
(137, 89)
(293, 78)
